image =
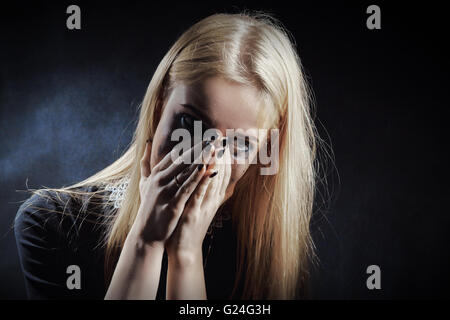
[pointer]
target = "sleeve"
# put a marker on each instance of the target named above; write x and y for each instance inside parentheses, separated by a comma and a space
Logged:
(40, 250)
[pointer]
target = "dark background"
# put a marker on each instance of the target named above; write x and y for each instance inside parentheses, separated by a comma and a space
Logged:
(68, 102)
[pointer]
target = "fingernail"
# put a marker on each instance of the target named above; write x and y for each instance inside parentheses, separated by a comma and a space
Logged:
(208, 147)
(200, 167)
(205, 144)
(213, 174)
(224, 142)
(220, 153)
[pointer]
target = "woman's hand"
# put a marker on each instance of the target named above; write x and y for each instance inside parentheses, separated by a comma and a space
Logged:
(163, 199)
(185, 244)
(164, 191)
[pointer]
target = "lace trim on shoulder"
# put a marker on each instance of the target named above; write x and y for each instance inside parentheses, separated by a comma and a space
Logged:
(118, 189)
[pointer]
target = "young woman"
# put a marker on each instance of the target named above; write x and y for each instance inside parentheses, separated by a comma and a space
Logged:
(150, 225)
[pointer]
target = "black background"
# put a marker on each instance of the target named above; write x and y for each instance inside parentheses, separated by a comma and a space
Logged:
(68, 102)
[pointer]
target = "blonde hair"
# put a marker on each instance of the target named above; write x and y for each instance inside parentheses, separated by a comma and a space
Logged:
(271, 212)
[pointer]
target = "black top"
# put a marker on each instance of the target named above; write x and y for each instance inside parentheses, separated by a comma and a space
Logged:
(49, 242)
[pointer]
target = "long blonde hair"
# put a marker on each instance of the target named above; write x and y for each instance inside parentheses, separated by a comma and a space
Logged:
(272, 212)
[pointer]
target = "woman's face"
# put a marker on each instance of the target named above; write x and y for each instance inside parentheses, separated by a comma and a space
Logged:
(218, 104)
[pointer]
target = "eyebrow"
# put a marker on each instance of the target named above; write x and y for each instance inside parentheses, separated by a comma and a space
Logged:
(199, 112)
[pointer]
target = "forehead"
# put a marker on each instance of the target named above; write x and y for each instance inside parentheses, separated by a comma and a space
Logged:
(227, 104)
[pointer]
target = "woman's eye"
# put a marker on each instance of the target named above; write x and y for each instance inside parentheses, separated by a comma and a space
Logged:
(241, 146)
(186, 121)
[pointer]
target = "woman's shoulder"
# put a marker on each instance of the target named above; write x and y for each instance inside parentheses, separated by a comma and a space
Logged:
(54, 230)
(38, 207)
(60, 213)
(45, 201)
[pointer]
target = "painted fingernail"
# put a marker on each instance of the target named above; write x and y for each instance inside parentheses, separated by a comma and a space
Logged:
(208, 147)
(220, 153)
(224, 142)
(200, 167)
(213, 174)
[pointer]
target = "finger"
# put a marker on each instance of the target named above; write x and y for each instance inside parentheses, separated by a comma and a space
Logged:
(215, 176)
(203, 158)
(221, 149)
(189, 186)
(199, 193)
(145, 160)
(173, 185)
(227, 171)
(167, 160)
(184, 161)
(211, 164)
(211, 168)
(221, 162)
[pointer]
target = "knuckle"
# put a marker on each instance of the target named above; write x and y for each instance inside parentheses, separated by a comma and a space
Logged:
(188, 207)
(185, 189)
(158, 180)
(198, 196)
(157, 166)
(172, 207)
(152, 174)
(181, 192)
(191, 218)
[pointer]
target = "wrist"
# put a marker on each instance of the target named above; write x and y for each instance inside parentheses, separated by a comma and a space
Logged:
(183, 258)
(142, 247)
